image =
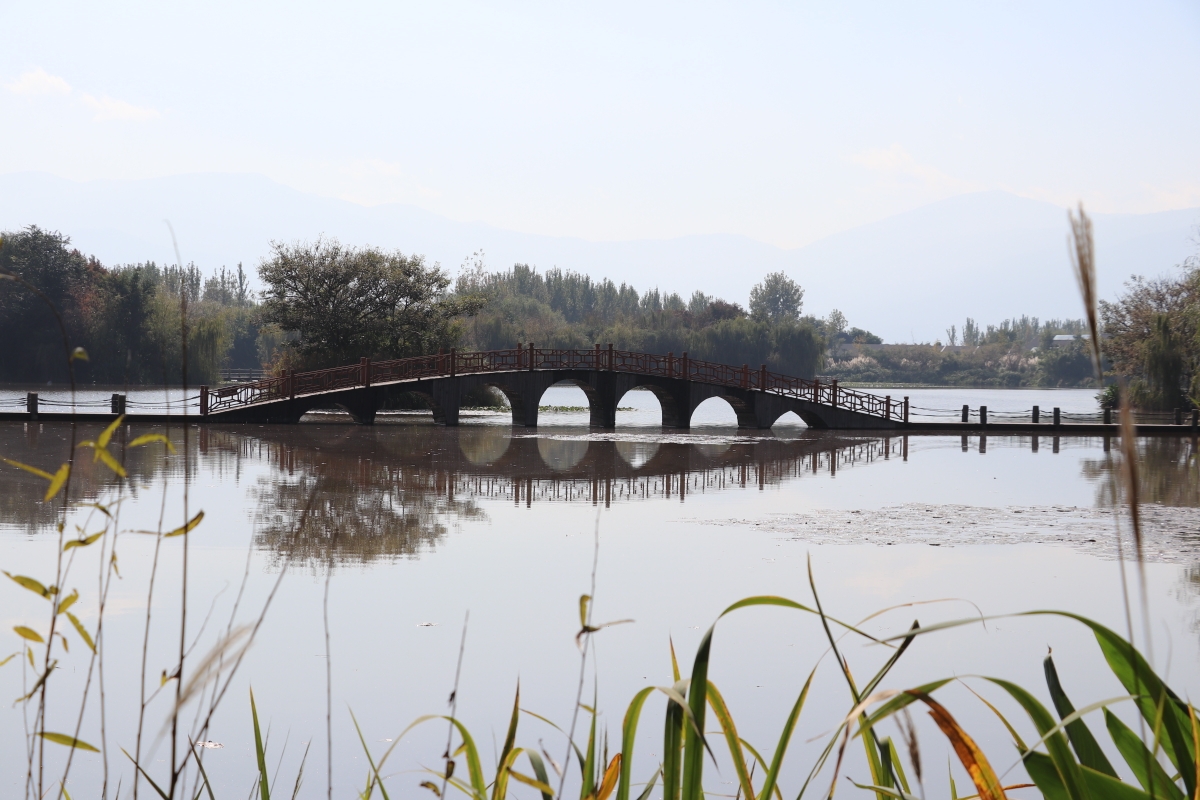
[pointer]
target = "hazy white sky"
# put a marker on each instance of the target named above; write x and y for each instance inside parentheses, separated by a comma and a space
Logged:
(781, 121)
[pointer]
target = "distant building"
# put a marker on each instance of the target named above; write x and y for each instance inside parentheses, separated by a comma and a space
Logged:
(1068, 339)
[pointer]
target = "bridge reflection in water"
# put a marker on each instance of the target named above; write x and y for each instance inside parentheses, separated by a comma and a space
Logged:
(376, 494)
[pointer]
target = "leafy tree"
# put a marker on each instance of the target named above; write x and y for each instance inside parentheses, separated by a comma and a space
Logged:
(777, 299)
(343, 303)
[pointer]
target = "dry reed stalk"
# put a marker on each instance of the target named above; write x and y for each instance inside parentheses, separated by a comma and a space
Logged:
(1083, 258)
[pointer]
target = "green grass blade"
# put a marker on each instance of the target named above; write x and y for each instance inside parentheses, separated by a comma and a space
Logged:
(1087, 749)
(785, 738)
(1045, 775)
(628, 733)
(501, 784)
(539, 769)
(149, 780)
(375, 779)
(1056, 743)
(203, 775)
(589, 762)
(645, 795)
(1110, 788)
(264, 789)
(729, 728)
(672, 750)
(1138, 757)
(693, 735)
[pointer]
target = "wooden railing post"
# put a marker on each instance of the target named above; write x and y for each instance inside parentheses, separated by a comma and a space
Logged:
(453, 361)
(363, 377)
(745, 376)
(203, 401)
(531, 356)
(816, 390)
(610, 357)
(762, 378)
(520, 355)
(671, 364)
(597, 357)
(367, 373)
(887, 403)
(906, 422)
(291, 381)
(834, 392)
(684, 365)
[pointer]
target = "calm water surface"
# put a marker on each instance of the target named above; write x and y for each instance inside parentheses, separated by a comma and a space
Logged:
(418, 525)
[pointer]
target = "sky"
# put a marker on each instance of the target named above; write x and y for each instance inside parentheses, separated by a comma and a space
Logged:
(784, 122)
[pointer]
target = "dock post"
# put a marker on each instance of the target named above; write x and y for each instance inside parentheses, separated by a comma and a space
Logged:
(1057, 418)
(1037, 415)
(906, 422)
(887, 403)
(118, 401)
(203, 402)
(966, 417)
(1179, 416)
(31, 404)
(983, 415)
(1108, 416)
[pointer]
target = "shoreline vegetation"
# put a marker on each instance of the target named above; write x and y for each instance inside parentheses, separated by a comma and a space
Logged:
(327, 304)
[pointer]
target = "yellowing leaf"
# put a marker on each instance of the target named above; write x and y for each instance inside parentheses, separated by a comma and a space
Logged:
(29, 652)
(192, 523)
(584, 599)
(110, 462)
(531, 781)
(40, 473)
(83, 634)
(147, 438)
(29, 583)
(69, 741)
(66, 645)
(9, 658)
(57, 481)
(84, 542)
(28, 633)
(68, 601)
(106, 435)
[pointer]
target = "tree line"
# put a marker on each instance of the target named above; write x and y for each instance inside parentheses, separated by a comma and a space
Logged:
(326, 304)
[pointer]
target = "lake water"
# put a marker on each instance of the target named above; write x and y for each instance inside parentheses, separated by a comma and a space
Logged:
(417, 526)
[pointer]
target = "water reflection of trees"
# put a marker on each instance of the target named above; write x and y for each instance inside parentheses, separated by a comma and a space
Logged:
(47, 445)
(1167, 473)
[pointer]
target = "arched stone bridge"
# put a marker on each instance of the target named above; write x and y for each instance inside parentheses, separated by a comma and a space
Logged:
(758, 397)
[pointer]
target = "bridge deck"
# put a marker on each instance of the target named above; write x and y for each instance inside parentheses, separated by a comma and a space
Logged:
(368, 374)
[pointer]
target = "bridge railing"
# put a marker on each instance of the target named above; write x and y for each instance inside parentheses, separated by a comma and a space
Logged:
(370, 373)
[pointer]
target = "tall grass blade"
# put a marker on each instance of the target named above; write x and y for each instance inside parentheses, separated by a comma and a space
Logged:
(500, 787)
(1056, 743)
(264, 790)
(1087, 749)
(149, 780)
(539, 769)
(628, 733)
(375, 779)
(673, 749)
(785, 738)
(732, 740)
(1145, 767)
(589, 762)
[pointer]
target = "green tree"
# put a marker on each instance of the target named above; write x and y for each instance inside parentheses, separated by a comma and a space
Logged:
(777, 299)
(343, 303)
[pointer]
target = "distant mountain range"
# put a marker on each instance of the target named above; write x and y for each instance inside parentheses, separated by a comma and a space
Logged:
(987, 255)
